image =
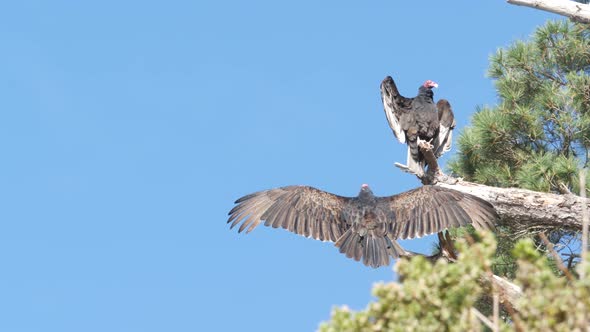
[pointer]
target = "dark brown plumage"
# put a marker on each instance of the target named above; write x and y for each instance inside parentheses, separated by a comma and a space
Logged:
(418, 118)
(447, 123)
(363, 227)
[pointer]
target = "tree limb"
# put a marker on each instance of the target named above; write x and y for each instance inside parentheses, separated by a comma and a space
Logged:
(433, 174)
(509, 292)
(577, 12)
(521, 208)
(517, 208)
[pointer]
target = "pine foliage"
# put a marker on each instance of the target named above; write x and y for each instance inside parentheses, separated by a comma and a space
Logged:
(441, 297)
(538, 135)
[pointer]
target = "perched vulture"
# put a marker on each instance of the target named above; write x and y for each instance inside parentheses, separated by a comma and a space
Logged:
(364, 227)
(418, 119)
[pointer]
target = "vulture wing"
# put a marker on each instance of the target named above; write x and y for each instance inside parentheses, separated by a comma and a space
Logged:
(300, 209)
(397, 109)
(447, 122)
(363, 228)
(323, 216)
(430, 209)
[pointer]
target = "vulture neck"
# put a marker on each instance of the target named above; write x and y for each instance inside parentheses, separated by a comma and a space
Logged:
(425, 92)
(366, 196)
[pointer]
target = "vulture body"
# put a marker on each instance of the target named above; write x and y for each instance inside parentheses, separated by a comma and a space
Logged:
(418, 119)
(365, 227)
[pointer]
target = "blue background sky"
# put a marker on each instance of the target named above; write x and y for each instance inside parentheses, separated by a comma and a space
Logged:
(127, 130)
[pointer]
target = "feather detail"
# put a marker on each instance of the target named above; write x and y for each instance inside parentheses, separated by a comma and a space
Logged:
(364, 228)
(373, 250)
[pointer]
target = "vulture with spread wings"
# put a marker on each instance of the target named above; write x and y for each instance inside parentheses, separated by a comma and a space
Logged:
(418, 119)
(364, 227)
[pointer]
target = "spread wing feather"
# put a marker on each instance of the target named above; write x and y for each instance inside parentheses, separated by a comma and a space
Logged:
(300, 209)
(429, 209)
(362, 230)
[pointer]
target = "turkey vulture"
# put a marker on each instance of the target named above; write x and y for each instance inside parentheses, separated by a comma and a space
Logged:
(418, 119)
(365, 226)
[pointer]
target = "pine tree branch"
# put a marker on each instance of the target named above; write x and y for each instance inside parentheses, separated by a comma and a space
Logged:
(577, 12)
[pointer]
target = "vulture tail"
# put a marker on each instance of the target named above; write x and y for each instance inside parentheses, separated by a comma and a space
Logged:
(373, 249)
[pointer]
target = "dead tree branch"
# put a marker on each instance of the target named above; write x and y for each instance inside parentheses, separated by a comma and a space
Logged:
(577, 12)
(509, 292)
(521, 208)
(433, 174)
(517, 208)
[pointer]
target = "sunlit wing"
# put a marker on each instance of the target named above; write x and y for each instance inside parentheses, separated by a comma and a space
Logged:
(302, 210)
(430, 209)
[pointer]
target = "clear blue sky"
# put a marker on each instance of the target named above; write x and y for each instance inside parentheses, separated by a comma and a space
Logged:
(127, 130)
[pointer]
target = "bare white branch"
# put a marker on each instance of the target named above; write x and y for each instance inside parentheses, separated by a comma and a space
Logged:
(521, 208)
(576, 11)
(517, 208)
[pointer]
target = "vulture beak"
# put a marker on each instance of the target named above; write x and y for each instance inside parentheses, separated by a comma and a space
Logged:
(435, 85)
